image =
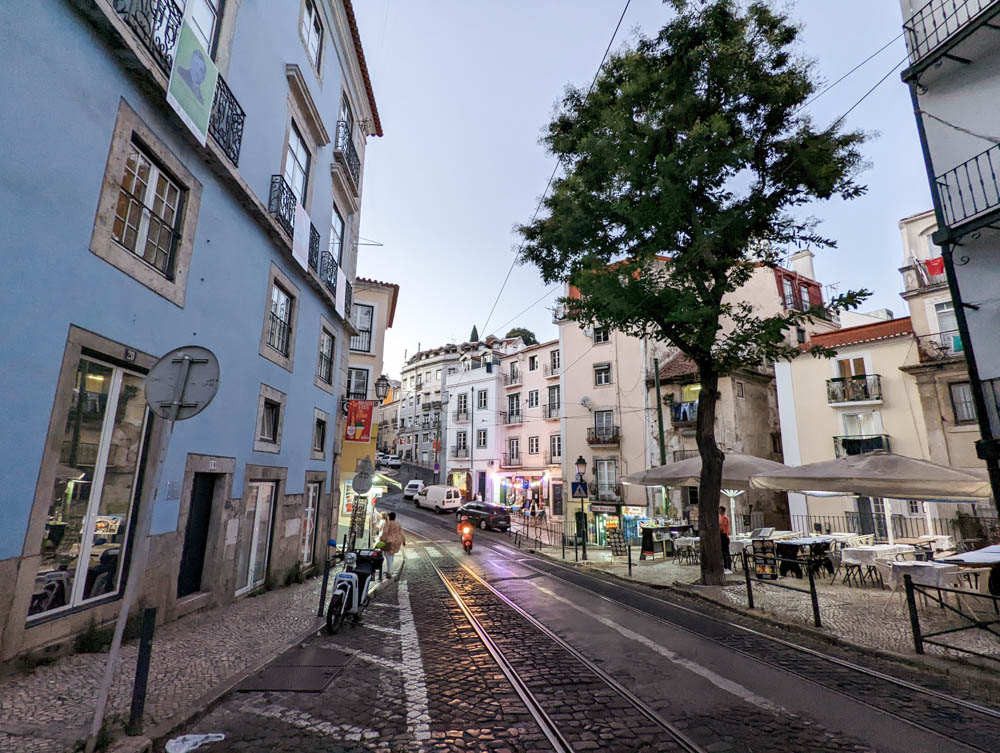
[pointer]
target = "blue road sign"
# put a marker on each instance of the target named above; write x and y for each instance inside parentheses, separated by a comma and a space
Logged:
(579, 489)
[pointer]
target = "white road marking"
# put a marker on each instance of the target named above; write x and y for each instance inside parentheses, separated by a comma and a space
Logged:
(417, 713)
(380, 660)
(305, 721)
(382, 628)
(723, 683)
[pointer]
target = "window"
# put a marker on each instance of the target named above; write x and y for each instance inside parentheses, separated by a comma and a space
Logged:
(147, 215)
(306, 534)
(269, 417)
(324, 366)
(514, 407)
(554, 399)
(363, 317)
(311, 30)
(606, 471)
(554, 360)
(337, 236)
(452, 369)
(789, 291)
(776, 443)
(280, 320)
(357, 384)
(555, 446)
(739, 389)
(437, 375)
(861, 424)
(604, 424)
(346, 116)
(97, 466)
(482, 399)
(297, 164)
(481, 438)
(462, 440)
(463, 402)
(961, 402)
(532, 363)
(204, 17)
(914, 507)
(532, 398)
(532, 445)
(804, 296)
(602, 374)
(600, 335)
(319, 436)
(800, 334)
(514, 449)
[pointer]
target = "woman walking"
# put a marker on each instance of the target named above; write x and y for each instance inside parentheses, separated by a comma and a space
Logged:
(393, 538)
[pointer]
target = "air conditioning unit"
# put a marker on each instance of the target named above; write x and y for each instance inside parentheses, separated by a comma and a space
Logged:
(588, 331)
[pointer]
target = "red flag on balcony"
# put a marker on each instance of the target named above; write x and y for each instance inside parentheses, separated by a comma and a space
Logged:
(935, 266)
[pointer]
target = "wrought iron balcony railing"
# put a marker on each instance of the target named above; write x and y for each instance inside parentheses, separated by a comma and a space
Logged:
(328, 272)
(510, 418)
(684, 414)
(551, 371)
(313, 248)
(860, 444)
(512, 379)
(552, 459)
(460, 452)
(854, 389)
(605, 492)
(551, 410)
(603, 435)
(937, 22)
(971, 189)
(940, 345)
(357, 395)
(348, 299)
(460, 416)
(281, 204)
(794, 302)
(508, 460)
(226, 122)
(345, 152)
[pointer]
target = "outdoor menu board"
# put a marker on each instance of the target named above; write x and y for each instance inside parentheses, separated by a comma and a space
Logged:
(616, 540)
(765, 563)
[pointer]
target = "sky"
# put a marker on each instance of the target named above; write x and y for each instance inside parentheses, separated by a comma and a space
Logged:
(465, 91)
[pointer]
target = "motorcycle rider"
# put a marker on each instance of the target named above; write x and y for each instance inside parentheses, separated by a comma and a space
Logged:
(464, 528)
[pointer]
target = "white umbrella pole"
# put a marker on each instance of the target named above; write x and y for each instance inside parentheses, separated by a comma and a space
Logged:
(887, 509)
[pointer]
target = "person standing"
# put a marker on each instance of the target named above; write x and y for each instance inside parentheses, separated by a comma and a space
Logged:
(393, 538)
(724, 529)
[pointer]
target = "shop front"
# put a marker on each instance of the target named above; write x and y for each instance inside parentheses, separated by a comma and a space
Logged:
(526, 494)
(604, 517)
(461, 479)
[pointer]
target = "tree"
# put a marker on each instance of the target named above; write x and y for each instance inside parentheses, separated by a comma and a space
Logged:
(525, 334)
(474, 337)
(683, 169)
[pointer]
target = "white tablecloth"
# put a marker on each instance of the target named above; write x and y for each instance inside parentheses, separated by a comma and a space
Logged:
(686, 542)
(866, 555)
(737, 546)
(933, 574)
(989, 555)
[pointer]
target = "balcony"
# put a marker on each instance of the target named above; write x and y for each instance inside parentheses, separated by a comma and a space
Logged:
(605, 492)
(460, 416)
(856, 389)
(313, 248)
(345, 153)
(357, 395)
(328, 272)
(508, 460)
(513, 379)
(860, 444)
(940, 25)
(551, 410)
(511, 418)
(940, 346)
(551, 371)
(460, 452)
(794, 302)
(603, 435)
(157, 24)
(281, 204)
(551, 459)
(684, 414)
(362, 342)
(971, 190)
(348, 300)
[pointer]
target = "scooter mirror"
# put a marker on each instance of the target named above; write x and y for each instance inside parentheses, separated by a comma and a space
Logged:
(332, 542)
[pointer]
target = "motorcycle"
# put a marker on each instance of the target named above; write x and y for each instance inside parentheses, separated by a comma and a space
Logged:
(467, 537)
(351, 587)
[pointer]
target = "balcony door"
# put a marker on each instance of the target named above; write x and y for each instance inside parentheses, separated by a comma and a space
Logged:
(850, 367)
(514, 450)
(862, 424)
(607, 477)
(513, 405)
(604, 424)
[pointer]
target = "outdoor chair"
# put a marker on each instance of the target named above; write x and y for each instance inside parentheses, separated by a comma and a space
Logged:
(853, 574)
(834, 557)
(969, 545)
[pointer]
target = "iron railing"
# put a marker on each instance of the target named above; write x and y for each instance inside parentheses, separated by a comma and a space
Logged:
(507, 460)
(460, 452)
(345, 152)
(854, 389)
(357, 395)
(685, 454)
(684, 414)
(605, 492)
(872, 523)
(460, 416)
(510, 418)
(362, 341)
(512, 379)
(860, 444)
(935, 23)
(603, 435)
(278, 334)
(281, 204)
(551, 371)
(313, 248)
(328, 272)
(970, 189)
(226, 122)
(551, 410)
(348, 299)
(940, 346)
(794, 302)
(552, 459)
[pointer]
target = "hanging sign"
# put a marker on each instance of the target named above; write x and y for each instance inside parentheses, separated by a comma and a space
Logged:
(358, 427)
(193, 79)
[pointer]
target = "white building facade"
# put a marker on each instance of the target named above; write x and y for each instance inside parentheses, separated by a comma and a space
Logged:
(472, 388)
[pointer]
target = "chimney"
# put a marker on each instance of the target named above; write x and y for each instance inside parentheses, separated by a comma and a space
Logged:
(802, 263)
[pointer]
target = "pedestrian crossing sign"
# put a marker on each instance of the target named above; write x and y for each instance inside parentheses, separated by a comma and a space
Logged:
(579, 489)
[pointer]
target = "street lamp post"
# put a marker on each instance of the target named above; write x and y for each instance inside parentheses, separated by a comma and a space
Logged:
(581, 519)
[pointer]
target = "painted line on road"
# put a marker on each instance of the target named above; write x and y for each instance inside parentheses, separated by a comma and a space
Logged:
(307, 722)
(417, 711)
(723, 683)
(382, 628)
(379, 660)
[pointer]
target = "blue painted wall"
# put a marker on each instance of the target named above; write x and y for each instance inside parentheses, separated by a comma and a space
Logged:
(62, 87)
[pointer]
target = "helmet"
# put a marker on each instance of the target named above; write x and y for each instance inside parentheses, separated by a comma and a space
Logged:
(465, 518)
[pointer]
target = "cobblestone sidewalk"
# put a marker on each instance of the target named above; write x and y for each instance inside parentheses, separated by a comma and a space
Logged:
(48, 709)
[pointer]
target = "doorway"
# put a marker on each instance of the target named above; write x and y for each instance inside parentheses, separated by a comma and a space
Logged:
(481, 485)
(196, 534)
(251, 562)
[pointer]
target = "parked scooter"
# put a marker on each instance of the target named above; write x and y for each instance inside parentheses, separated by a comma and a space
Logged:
(351, 588)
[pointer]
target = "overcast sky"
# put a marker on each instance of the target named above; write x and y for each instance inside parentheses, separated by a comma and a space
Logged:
(465, 89)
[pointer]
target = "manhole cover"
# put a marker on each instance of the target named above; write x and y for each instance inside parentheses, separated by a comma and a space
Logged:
(302, 670)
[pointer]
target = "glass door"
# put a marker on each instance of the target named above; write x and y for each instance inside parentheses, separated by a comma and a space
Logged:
(252, 559)
(307, 536)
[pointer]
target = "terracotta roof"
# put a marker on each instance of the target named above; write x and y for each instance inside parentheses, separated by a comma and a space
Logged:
(392, 303)
(864, 333)
(677, 367)
(353, 23)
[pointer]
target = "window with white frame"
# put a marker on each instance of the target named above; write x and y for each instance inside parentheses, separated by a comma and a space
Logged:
(554, 360)
(280, 327)
(961, 402)
(481, 438)
(336, 246)
(462, 403)
(532, 398)
(462, 440)
(307, 532)
(532, 363)
(147, 216)
(602, 374)
(357, 384)
(555, 446)
(915, 507)
(532, 445)
(601, 335)
(312, 32)
(297, 159)
(514, 449)
(604, 424)
(204, 18)
(324, 367)
(270, 418)
(482, 399)
(364, 317)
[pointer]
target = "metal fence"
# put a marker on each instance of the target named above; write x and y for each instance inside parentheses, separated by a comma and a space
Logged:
(962, 527)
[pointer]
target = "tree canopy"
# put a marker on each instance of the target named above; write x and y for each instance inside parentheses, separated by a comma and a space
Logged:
(524, 333)
(474, 337)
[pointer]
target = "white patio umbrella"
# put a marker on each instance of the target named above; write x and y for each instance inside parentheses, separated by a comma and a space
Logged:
(736, 472)
(884, 475)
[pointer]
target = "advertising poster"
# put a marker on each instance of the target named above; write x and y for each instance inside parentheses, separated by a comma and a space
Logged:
(193, 78)
(358, 427)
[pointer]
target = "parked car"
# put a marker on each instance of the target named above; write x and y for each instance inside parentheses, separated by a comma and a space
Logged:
(413, 488)
(439, 497)
(392, 461)
(485, 515)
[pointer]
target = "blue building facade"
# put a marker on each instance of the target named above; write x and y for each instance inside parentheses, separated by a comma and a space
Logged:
(125, 237)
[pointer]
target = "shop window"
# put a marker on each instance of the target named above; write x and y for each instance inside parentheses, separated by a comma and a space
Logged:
(93, 498)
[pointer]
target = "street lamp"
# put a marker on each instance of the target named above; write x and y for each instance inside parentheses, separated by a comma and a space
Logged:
(381, 388)
(581, 517)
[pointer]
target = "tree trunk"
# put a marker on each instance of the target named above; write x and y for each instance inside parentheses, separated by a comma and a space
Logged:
(710, 489)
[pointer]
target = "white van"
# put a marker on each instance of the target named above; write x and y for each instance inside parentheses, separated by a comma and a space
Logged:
(440, 497)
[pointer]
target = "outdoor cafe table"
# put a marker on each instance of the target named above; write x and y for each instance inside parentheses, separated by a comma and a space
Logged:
(788, 549)
(866, 555)
(686, 542)
(933, 574)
